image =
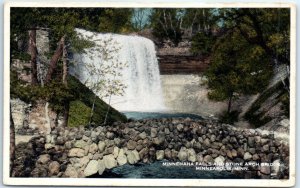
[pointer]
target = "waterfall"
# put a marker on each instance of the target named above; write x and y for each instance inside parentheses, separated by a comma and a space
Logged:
(140, 75)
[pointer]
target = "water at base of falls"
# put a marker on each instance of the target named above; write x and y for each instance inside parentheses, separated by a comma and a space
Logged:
(141, 76)
(157, 170)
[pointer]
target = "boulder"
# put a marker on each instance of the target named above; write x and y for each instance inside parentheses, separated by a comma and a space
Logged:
(91, 168)
(265, 170)
(44, 159)
(191, 155)
(80, 144)
(121, 159)
(101, 146)
(208, 159)
(131, 145)
(179, 127)
(84, 161)
(93, 148)
(220, 160)
(101, 167)
(71, 172)
(182, 155)
(76, 152)
(133, 157)
(247, 156)
(116, 152)
(109, 161)
(54, 168)
(153, 132)
(143, 135)
(160, 154)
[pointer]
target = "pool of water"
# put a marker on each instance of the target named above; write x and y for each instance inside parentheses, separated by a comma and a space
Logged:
(152, 115)
(157, 170)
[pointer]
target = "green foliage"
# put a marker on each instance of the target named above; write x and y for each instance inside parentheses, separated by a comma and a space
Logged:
(202, 43)
(237, 68)
(79, 114)
(85, 95)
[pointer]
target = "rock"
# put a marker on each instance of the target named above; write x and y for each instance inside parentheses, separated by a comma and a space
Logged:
(265, 170)
(54, 168)
(101, 146)
(197, 146)
(76, 152)
(234, 153)
(158, 140)
(97, 156)
(116, 152)
(257, 139)
(84, 161)
(86, 149)
(133, 157)
(208, 159)
(247, 156)
(251, 141)
(44, 159)
(93, 148)
(265, 148)
(213, 138)
(110, 135)
(168, 153)
(220, 160)
(143, 135)
(153, 132)
(179, 127)
(252, 150)
(160, 154)
(121, 159)
(182, 155)
(206, 142)
(255, 157)
(191, 155)
(229, 154)
(143, 152)
(91, 168)
(131, 145)
(240, 152)
(80, 144)
(109, 161)
(101, 167)
(71, 172)
(199, 158)
(275, 169)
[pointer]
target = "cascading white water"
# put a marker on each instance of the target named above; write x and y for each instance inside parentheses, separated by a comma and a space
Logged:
(141, 75)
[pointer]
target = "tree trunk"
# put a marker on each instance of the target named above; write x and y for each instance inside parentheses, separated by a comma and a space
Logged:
(53, 63)
(92, 110)
(108, 108)
(65, 65)
(12, 144)
(229, 103)
(33, 56)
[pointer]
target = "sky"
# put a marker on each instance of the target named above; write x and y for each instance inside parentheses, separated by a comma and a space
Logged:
(159, 1)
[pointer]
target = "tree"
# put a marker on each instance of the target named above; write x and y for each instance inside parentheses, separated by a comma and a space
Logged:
(140, 18)
(237, 67)
(268, 28)
(104, 70)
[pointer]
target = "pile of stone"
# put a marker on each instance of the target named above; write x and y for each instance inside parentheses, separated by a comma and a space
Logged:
(82, 152)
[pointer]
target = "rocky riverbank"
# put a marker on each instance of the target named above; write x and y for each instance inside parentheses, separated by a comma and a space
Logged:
(82, 152)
